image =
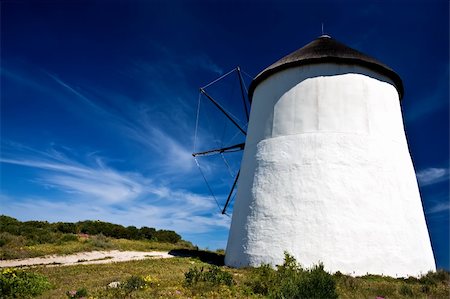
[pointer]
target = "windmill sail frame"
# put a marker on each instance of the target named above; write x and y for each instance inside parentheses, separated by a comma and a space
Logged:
(231, 118)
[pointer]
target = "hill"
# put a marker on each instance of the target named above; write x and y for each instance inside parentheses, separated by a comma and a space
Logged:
(37, 238)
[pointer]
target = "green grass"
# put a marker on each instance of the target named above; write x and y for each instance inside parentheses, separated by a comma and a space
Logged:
(168, 281)
(168, 276)
(18, 251)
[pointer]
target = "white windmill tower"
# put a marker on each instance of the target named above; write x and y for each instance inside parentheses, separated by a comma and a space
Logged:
(326, 173)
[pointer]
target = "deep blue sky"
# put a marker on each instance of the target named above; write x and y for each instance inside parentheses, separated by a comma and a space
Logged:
(98, 100)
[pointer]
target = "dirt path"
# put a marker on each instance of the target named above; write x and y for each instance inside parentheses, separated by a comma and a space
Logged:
(84, 258)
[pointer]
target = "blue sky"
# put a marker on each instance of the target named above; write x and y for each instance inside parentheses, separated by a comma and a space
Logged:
(99, 100)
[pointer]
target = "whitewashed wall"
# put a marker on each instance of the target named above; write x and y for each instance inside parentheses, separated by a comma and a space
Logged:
(327, 176)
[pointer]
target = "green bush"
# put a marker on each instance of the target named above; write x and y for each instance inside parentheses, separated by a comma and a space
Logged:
(434, 278)
(406, 290)
(168, 236)
(20, 284)
(66, 227)
(68, 238)
(290, 280)
(100, 241)
(40, 232)
(262, 280)
(133, 283)
(213, 276)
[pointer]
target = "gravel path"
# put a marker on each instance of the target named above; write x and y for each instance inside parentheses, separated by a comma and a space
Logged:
(84, 258)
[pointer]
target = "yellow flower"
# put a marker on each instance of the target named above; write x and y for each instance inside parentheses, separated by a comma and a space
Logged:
(8, 271)
(148, 279)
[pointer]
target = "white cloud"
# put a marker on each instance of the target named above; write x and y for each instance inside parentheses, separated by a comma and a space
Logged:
(135, 123)
(206, 63)
(176, 214)
(432, 176)
(440, 207)
(93, 190)
(96, 182)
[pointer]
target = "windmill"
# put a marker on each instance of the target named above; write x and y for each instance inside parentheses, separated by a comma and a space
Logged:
(326, 173)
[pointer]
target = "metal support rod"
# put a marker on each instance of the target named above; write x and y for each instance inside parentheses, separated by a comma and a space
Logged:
(242, 91)
(239, 146)
(231, 192)
(223, 111)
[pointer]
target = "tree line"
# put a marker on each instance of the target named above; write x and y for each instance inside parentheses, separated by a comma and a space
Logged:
(45, 232)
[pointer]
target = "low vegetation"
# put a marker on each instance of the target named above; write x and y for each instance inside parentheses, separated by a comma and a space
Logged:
(190, 277)
(37, 238)
(192, 273)
(290, 280)
(15, 283)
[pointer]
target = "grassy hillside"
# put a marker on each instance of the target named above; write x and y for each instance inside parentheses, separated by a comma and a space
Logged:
(168, 278)
(37, 238)
(191, 274)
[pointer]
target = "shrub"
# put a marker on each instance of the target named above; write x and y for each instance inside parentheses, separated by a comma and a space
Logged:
(66, 227)
(290, 280)
(213, 276)
(262, 280)
(133, 233)
(20, 284)
(40, 232)
(133, 283)
(434, 278)
(147, 232)
(406, 290)
(168, 236)
(383, 288)
(68, 238)
(100, 241)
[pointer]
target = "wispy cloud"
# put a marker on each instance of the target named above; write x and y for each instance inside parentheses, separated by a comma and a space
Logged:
(136, 123)
(424, 105)
(91, 183)
(206, 63)
(439, 207)
(431, 176)
(95, 181)
(94, 190)
(179, 215)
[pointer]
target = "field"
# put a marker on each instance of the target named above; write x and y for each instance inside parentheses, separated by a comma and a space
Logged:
(192, 273)
(165, 278)
(10, 251)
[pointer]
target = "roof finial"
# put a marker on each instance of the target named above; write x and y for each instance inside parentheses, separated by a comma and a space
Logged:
(323, 33)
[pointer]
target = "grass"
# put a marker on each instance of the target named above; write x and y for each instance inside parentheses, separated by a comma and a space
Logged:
(168, 281)
(167, 273)
(167, 276)
(82, 245)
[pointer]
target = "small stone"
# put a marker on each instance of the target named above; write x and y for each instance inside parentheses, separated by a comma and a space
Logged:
(114, 284)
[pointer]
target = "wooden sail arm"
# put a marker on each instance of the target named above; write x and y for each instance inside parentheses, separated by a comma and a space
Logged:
(233, 148)
(223, 111)
(231, 192)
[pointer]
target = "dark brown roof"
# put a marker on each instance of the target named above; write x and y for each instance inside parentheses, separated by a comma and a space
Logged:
(327, 50)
